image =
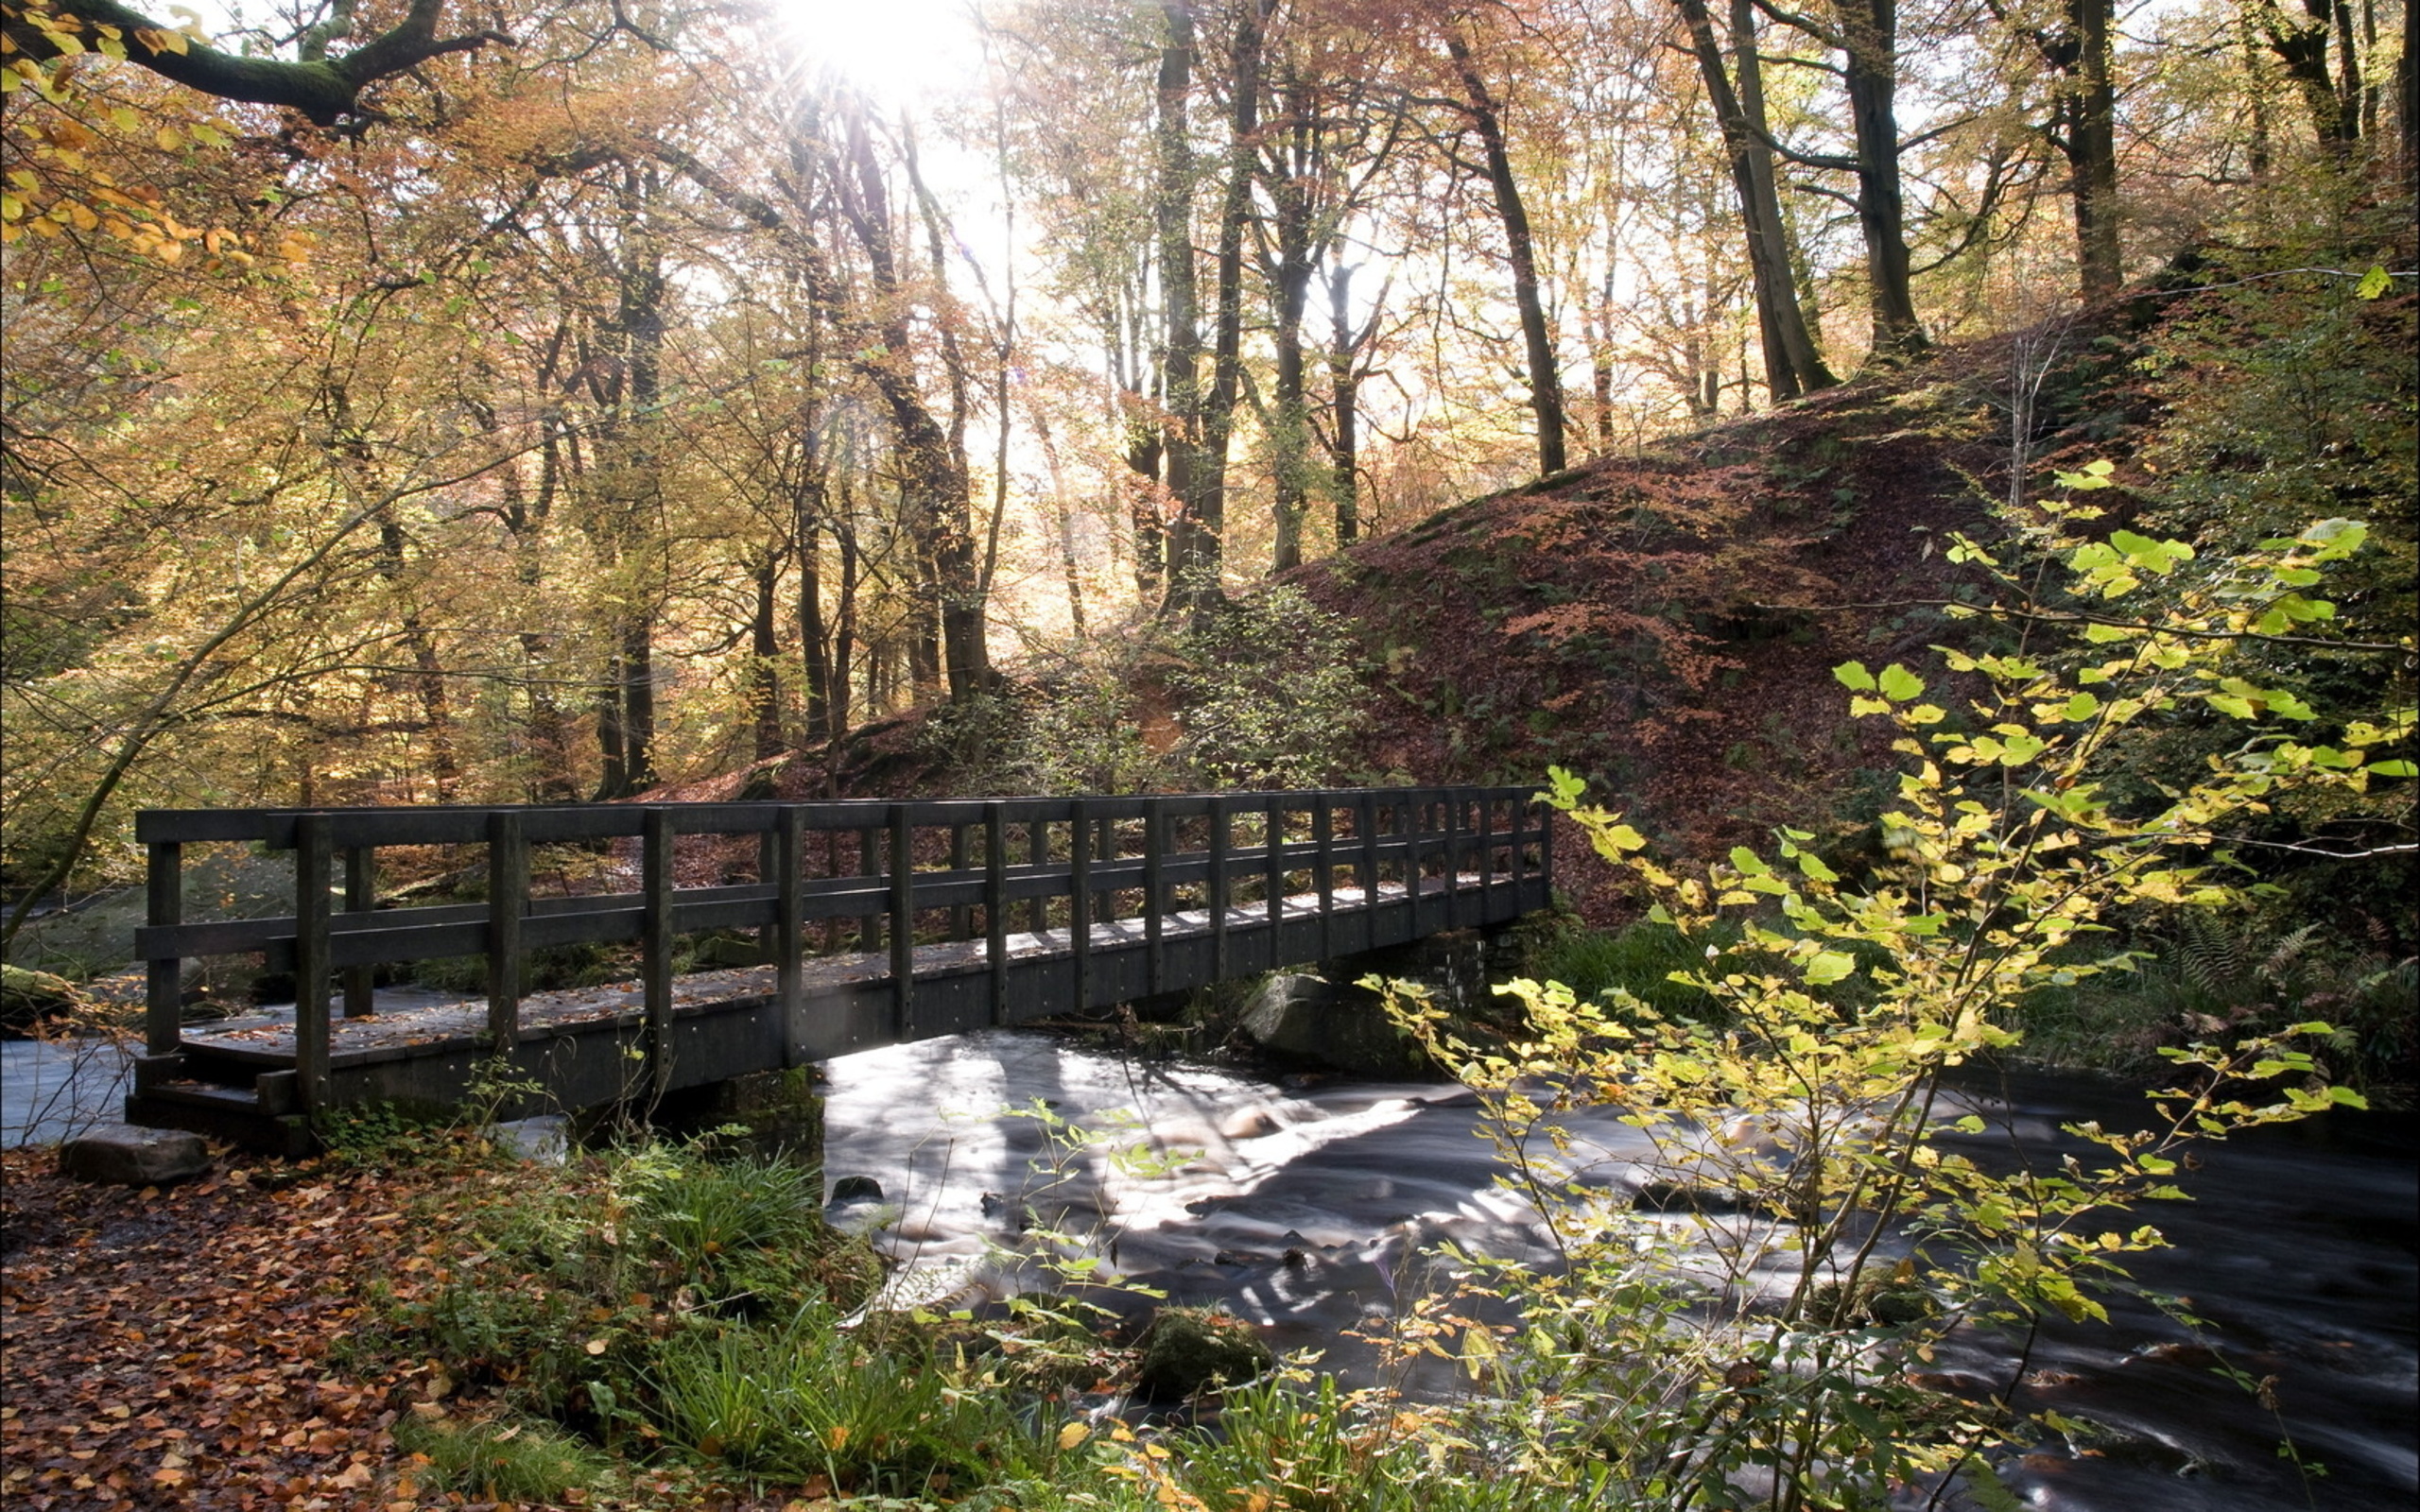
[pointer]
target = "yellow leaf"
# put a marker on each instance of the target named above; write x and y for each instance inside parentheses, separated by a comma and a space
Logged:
(1074, 1434)
(169, 138)
(81, 214)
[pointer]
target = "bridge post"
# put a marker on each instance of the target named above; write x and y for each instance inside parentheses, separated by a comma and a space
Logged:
(996, 906)
(790, 929)
(313, 858)
(508, 898)
(164, 985)
(655, 946)
(360, 897)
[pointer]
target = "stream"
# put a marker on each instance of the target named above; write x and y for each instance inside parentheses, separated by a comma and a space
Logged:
(1310, 1206)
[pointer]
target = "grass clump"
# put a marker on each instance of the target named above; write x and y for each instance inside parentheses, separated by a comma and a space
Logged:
(511, 1458)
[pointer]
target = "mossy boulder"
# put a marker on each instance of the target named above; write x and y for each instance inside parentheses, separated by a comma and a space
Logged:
(1186, 1350)
(28, 999)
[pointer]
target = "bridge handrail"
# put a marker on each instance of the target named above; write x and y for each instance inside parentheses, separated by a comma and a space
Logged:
(1073, 847)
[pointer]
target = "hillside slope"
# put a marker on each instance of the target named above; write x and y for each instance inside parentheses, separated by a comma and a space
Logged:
(1665, 624)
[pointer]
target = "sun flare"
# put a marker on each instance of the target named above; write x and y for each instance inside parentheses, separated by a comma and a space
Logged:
(898, 51)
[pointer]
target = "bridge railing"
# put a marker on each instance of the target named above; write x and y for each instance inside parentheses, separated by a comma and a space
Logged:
(881, 876)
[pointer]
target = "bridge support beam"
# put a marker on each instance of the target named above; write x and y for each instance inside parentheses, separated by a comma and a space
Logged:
(781, 1113)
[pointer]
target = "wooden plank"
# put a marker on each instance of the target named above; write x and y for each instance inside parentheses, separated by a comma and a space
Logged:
(508, 897)
(193, 826)
(360, 897)
(789, 932)
(995, 909)
(903, 921)
(164, 979)
(313, 857)
(655, 947)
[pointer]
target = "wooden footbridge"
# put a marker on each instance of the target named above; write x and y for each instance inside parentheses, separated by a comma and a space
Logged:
(871, 922)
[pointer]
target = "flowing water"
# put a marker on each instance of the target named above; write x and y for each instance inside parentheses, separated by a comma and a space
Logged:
(1309, 1207)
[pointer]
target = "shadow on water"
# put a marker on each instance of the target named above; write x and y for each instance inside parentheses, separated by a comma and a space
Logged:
(1312, 1210)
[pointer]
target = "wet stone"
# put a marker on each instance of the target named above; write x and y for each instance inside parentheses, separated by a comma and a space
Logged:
(127, 1155)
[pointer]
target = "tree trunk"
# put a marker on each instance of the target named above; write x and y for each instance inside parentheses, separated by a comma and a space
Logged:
(1545, 380)
(1870, 31)
(1345, 405)
(1196, 546)
(1173, 215)
(2091, 149)
(764, 673)
(1289, 418)
(1793, 363)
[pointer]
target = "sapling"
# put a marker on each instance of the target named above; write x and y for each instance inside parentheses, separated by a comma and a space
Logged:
(1821, 1230)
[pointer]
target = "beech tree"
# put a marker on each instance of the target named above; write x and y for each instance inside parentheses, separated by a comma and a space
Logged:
(325, 88)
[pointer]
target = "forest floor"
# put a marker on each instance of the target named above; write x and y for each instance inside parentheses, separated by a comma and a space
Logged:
(186, 1346)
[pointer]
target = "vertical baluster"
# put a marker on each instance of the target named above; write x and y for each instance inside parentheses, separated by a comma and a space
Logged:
(1274, 871)
(507, 900)
(313, 856)
(1219, 827)
(1080, 901)
(769, 864)
(163, 980)
(995, 907)
(789, 928)
(1155, 833)
(1454, 858)
(360, 897)
(655, 947)
(869, 864)
(1486, 857)
(962, 916)
(1038, 851)
(1365, 820)
(1546, 848)
(1323, 850)
(903, 921)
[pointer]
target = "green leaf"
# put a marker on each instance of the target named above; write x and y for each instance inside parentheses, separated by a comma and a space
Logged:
(1898, 685)
(1853, 674)
(2373, 283)
(2393, 768)
(1829, 966)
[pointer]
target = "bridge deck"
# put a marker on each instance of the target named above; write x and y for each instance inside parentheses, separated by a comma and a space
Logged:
(1444, 861)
